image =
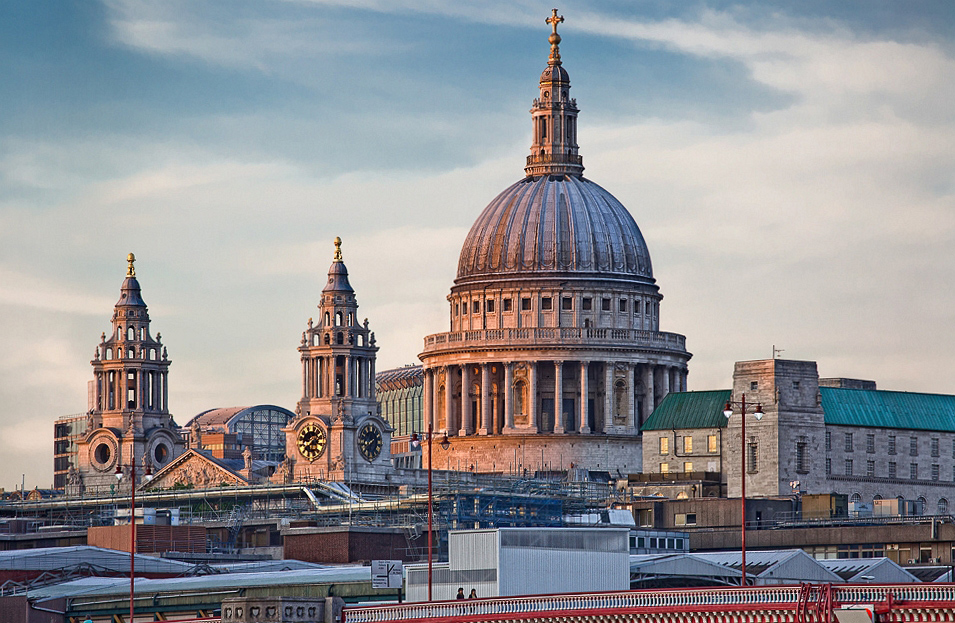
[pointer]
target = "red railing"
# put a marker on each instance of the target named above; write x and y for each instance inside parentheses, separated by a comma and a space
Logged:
(803, 599)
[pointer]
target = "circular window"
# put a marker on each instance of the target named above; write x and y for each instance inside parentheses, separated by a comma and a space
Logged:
(102, 453)
(161, 453)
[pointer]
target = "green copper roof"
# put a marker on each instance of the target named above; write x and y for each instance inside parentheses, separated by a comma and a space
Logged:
(885, 409)
(689, 410)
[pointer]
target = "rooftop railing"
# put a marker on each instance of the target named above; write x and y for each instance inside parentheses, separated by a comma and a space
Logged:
(638, 338)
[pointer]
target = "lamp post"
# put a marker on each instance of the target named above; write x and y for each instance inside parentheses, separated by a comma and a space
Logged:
(132, 525)
(728, 412)
(445, 444)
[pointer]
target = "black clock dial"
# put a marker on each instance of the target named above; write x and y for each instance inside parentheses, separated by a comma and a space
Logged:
(311, 441)
(369, 441)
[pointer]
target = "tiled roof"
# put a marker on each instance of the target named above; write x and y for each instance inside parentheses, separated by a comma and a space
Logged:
(888, 409)
(689, 410)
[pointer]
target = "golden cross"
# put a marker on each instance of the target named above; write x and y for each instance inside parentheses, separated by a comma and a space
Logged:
(131, 270)
(554, 19)
(338, 249)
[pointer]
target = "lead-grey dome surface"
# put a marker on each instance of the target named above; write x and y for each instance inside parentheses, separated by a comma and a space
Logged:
(558, 225)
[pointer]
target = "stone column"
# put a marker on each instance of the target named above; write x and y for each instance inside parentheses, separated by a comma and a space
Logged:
(631, 398)
(371, 378)
(607, 422)
(666, 381)
(449, 400)
(584, 426)
(487, 420)
(648, 399)
(559, 397)
(427, 400)
(508, 397)
(165, 392)
(532, 412)
(305, 376)
(467, 425)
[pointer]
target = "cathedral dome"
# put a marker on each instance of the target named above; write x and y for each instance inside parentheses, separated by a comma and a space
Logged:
(562, 225)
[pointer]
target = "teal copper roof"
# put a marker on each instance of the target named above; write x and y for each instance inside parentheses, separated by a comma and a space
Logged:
(887, 409)
(689, 410)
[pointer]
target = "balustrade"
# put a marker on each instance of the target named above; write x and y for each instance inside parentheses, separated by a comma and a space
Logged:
(556, 335)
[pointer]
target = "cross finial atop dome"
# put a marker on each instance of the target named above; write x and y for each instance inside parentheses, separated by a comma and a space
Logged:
(553, 20)
(338, 249)
(131, 270)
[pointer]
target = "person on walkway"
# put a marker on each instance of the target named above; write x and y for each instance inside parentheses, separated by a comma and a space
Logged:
(473, 594)
(460, 593)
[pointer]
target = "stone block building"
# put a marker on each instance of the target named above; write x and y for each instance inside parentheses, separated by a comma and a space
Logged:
(815, 436)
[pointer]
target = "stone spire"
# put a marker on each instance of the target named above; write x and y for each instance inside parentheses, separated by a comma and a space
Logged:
(337, 273)
(554, 114)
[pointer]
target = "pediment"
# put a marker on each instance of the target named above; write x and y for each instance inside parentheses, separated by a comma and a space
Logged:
(196, 469)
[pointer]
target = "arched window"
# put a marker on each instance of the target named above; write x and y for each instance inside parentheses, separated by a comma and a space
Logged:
(682, 495)
(119, 333)
(328, 339)
(142, 333)
(856, 498)
(351, 338)
(943, 506)
(520, 390)
(326, 319)
(340, 338)
(130, 334)
(921, 505)
(109, 354)
(620, 399)
(338, 319)
(361, 340)
(876, 497)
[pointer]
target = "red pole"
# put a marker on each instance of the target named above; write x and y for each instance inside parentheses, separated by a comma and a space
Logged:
(430, 540)
(132, 540)
(743, 490)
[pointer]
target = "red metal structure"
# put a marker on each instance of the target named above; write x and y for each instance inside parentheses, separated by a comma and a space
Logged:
(806, 603)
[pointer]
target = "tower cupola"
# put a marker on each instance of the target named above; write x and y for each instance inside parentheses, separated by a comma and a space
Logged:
(554, 115)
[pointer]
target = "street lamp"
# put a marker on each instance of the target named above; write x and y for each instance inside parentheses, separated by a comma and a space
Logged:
(132, 525)
(445, 444)
(728, 412)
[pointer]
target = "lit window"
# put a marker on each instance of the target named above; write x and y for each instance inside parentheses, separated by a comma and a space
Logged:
(664, 468)
(711, 444)
(687, 467)
(687, 445)
(664, 445)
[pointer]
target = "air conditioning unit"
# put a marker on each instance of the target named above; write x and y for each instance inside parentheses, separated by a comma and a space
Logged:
(911, 561)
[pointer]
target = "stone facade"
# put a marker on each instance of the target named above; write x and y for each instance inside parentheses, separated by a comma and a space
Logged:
(337, 434)
(554, 355)
(128, 422)
(794, 442)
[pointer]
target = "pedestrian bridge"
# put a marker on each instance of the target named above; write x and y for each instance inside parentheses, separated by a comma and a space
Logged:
(821, 603)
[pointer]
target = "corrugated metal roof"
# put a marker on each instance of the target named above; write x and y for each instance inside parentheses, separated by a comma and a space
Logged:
(225, 581)
(51, 558)
(689, 410)
(888, 409)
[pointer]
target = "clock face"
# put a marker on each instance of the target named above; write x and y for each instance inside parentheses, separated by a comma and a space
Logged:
(369, 441)
(312, 441)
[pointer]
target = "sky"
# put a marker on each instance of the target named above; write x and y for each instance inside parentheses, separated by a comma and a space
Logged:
(791, 166)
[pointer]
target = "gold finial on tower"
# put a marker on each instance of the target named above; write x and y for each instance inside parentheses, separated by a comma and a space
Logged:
(554, 38)
(131, 271)
(338, 249)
